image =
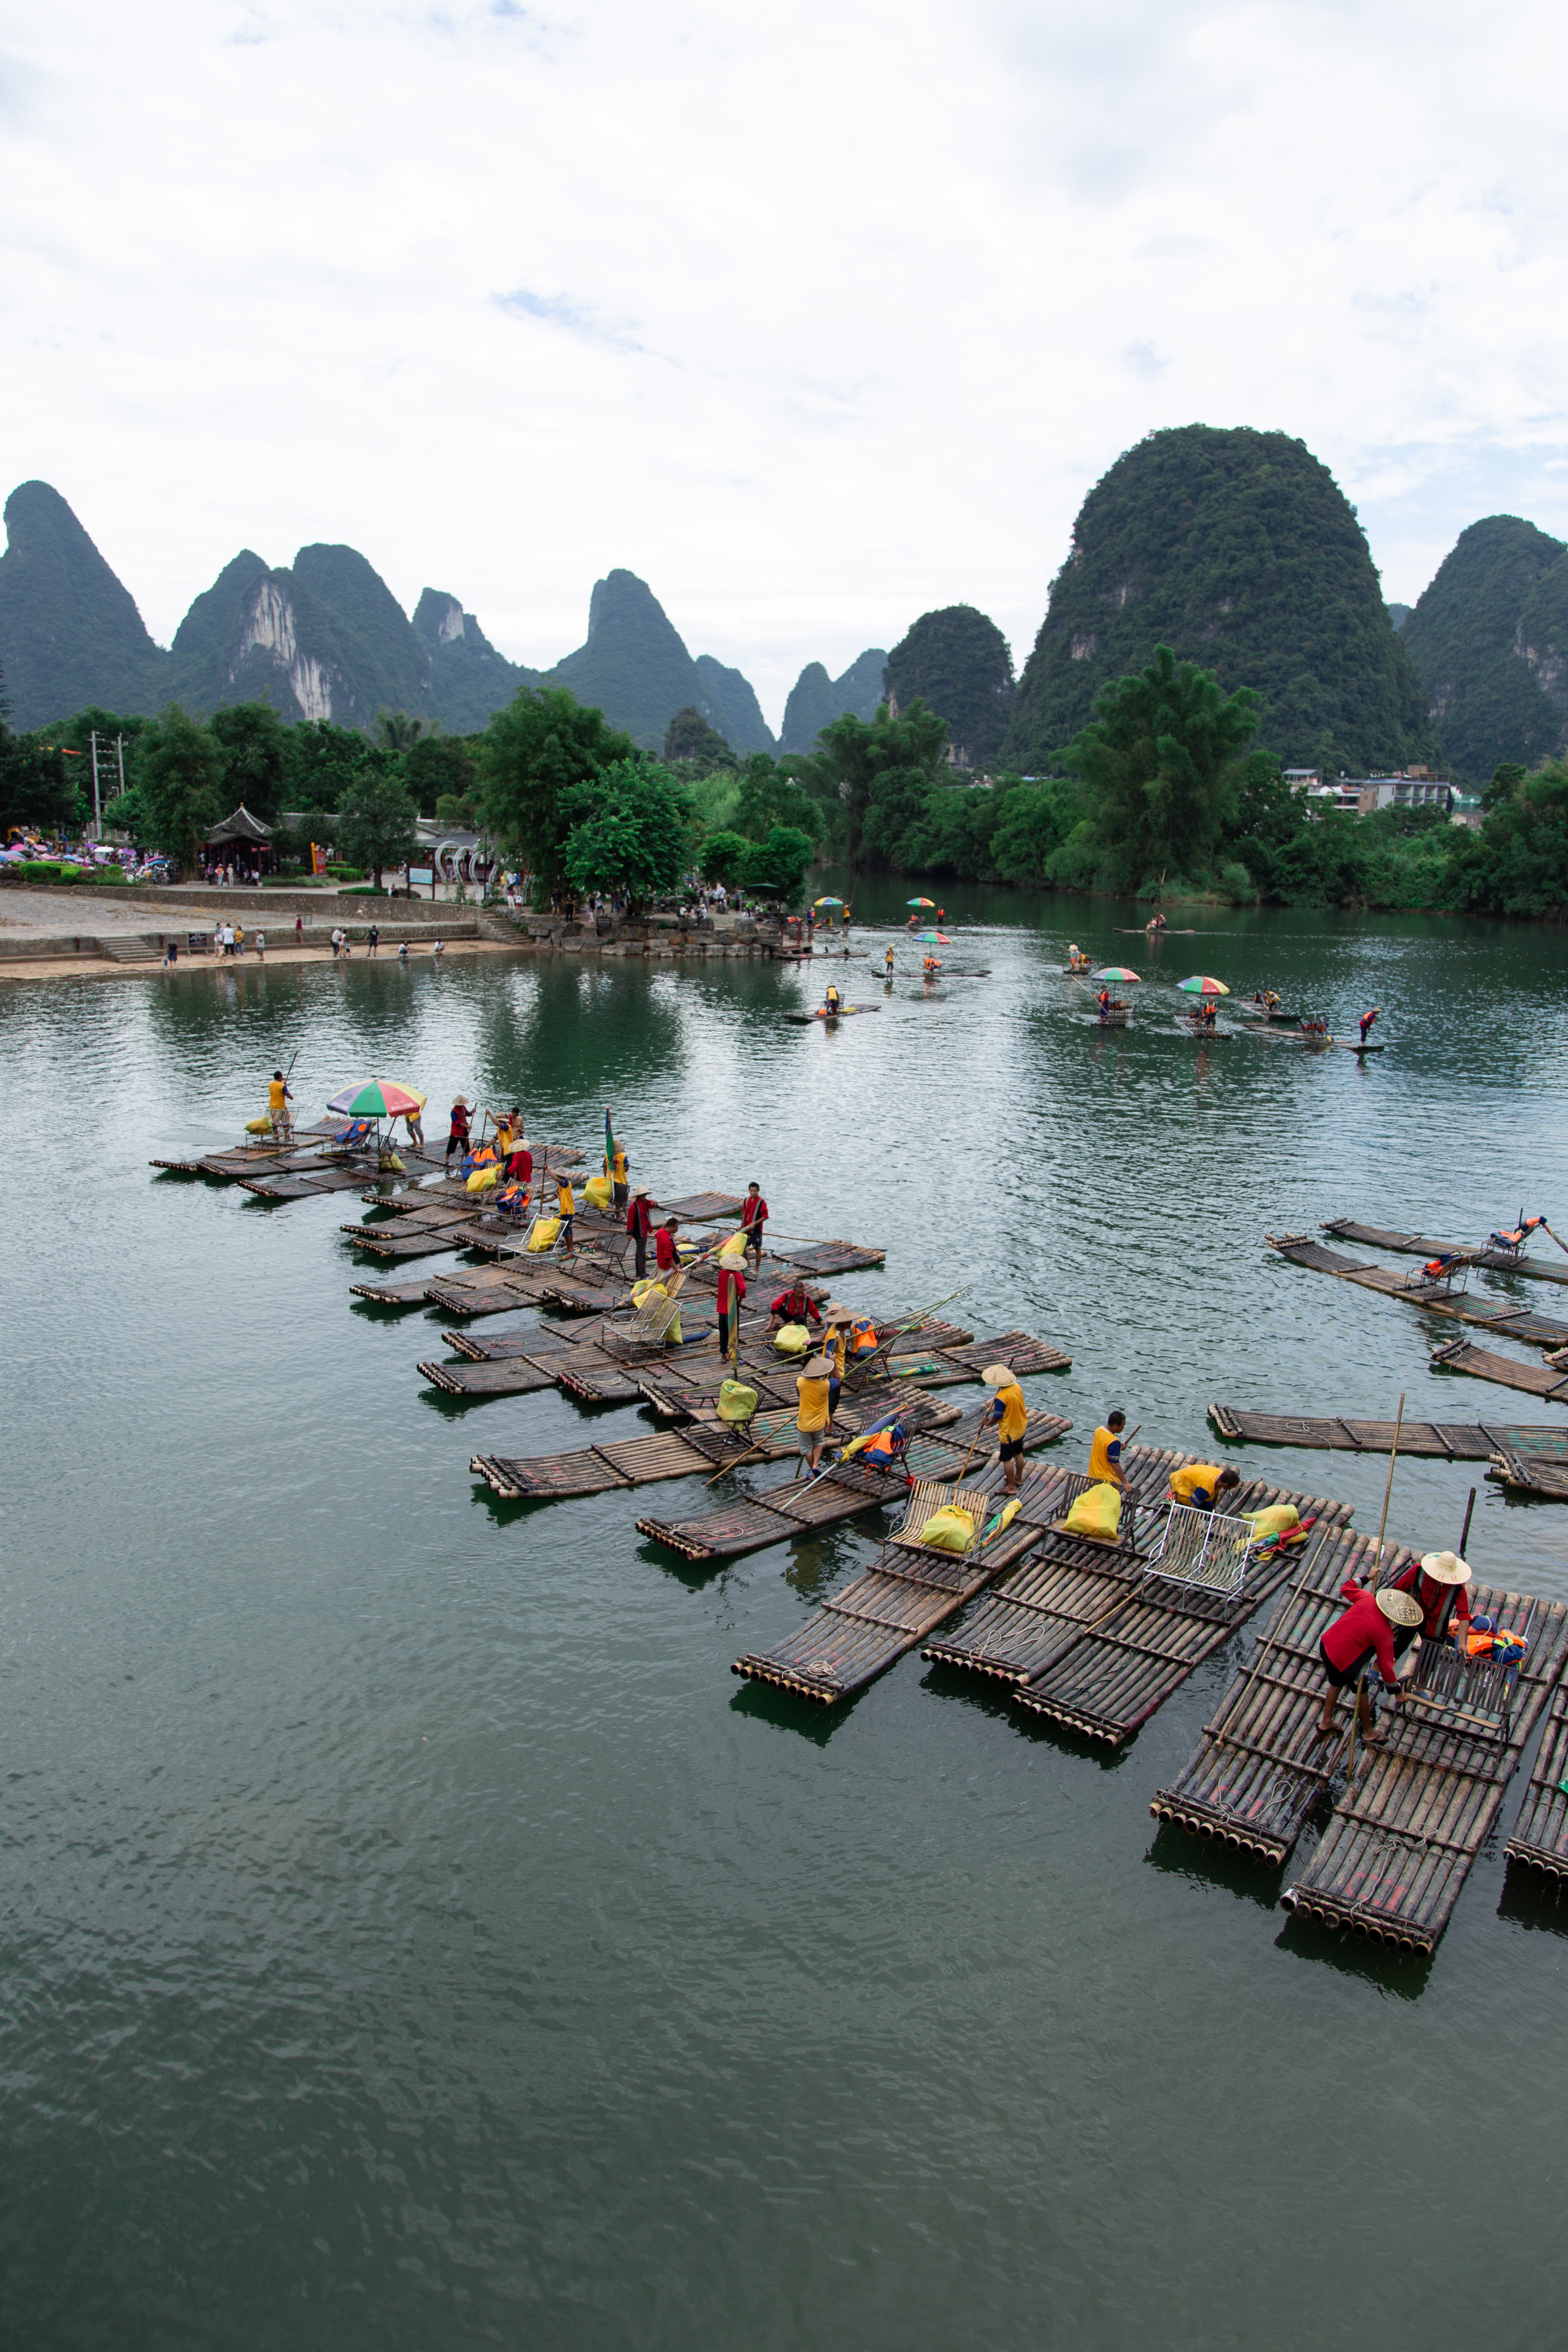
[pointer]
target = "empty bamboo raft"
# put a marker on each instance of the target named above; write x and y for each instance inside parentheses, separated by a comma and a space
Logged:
(1483, 1364)
(1261, 1764)
(769, 1517)
(1345, 1229)
(1540, 1836)
(1401, 1838)
(909, 1589)
(1433, 1298)
(1090, 1636)
(1436, 1440)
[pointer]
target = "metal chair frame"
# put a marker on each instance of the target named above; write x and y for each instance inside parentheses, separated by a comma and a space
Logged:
(1206, 1552)
(1479, 1691)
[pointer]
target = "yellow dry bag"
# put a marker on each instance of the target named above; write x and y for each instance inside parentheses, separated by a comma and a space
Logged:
(597, 1191)
(950, 1529)
(542, 1236)
(736, 1402)
(791, 1339)
(1097, 1513)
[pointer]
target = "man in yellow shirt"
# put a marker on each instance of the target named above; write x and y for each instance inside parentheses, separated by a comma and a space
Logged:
(1008, 1410)
(277, 1101)
(1202, 1483)
(1105, 1451)
(814, 1390)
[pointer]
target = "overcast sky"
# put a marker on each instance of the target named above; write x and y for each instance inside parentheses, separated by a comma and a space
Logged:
(814, 315)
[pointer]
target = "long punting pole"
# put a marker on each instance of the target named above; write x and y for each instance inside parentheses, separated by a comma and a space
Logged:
(1469, 1515)
(1393, 1457)
(1556, 1237)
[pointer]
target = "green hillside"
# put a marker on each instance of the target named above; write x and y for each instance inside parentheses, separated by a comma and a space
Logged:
(469, 680)
(960, 662)
(635, 666)
(1490, 642)
(740, 721)
(1239, 550)
(816, 700)
(71, 635)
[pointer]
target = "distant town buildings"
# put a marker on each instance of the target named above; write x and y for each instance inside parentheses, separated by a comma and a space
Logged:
(1399, 788)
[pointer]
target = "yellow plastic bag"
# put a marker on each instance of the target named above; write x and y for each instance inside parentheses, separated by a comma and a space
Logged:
(1097, 1513)
(259, 1126)
(598, 1192)
(647, 1288)
(545, 1230)
(484, 1180)
(1275, 1520)
(733, 1252)
(791, 1339)
(736, 1400)
(950, 1529)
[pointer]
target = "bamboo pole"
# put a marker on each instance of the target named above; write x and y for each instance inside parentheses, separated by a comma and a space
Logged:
(1388, 1489)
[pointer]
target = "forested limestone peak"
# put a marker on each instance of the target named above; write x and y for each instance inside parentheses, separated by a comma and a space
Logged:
(1490, 642)
(961, 664)
(1237, 549)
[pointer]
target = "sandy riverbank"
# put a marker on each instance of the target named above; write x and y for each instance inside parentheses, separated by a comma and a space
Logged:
(59, 967)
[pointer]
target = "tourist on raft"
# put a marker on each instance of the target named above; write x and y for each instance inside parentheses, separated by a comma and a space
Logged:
(1365, 1631)
(1367, 1021)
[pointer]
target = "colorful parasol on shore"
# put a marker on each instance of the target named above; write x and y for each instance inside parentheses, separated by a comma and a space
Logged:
(376, 1098)
(1203, 983)
(1117, 971)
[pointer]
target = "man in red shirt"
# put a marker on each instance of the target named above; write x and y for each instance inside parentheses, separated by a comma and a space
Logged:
(731, 1291)
(1363, 1632)
(1431, 1579)
(666, 1256)
(795, 1305)
(639, 1224)
(753, 1216)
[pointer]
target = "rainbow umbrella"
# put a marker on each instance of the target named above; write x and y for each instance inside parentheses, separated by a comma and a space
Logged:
(919, 902)
(934, 939)
(376, 1098)
(1202, 984)
(1117, 971)
(827, 902)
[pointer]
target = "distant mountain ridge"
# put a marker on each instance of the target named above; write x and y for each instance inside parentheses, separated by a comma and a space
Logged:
(1490, 642)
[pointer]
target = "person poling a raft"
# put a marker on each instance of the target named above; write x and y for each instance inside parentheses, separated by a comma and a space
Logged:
(888, 962)
(1363, 1632)
(813, 1388)
(1367, 1021)
(830, 999)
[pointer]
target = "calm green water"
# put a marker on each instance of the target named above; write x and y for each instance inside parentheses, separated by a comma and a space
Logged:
(413, 1936)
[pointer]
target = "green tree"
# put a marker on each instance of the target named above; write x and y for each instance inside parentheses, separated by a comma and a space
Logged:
(1162, 757)
(629, 830)
(1265, 817)
(1518, 863)
(398, 732)
(689, 739)
(324, 764)
(779, 864)
(36, 785)
(443, 767)
(960, 664)
(254, 756)
(1033, 825)
(723, 856)
(533, 757)
(178, 779)
(377, 825)
(769, 795)
(1505, 785)
(877, 774)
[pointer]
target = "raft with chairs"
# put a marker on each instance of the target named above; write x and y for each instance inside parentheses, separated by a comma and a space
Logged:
(1499, 1261)
(1095, 1635)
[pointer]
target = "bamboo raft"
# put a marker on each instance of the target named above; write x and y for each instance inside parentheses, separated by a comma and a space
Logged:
(756, 1520)
(909, 1589)
(1419, 1245)
(1406, 1829)
(1259, 1766)
(1482, 1364)
(1090, 1636)
(677, 1453)
(1434, 1441)
(1401, 1838)
(1433, 1298)
(1540, 1837)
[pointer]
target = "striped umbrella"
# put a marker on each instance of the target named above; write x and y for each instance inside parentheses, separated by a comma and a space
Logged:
(1203, 984)
(1117, 971)
(376, 1098)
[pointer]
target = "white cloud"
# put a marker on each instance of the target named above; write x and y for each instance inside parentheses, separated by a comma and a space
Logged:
(815, 318)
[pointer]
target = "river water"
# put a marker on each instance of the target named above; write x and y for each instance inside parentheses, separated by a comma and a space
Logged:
(414, 1937)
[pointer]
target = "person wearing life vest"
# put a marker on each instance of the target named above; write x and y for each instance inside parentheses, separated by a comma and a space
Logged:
(1438, 1579)
(1364, 1632)
(795, 1305)
(1367, 1021)
(1010, 1414)
(1104, 1002)
(887, 964)
(1105, 1451)
(862, 1339)
(1200, 1484)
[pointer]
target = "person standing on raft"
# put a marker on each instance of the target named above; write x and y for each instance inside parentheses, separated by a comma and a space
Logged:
(1363, 1632)
(457, 1136)
(753, 1217)
(730, 1292)
(277, 1101)
(1010, 1414)
(887, 964)
(813, 1387)
(1367, 1021)
(666, 1256)
(1105, 1451)
(639, 1224)
(1437, 1581)
(830, 996)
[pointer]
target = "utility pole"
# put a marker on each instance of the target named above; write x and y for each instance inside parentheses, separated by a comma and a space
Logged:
(97, 783)
(97, 796)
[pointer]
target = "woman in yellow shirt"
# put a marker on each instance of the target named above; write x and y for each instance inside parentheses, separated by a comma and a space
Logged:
(1009, 1410)
(814, 1390)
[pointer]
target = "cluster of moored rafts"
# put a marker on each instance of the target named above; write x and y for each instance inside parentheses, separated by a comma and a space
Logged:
(1088, 1635)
